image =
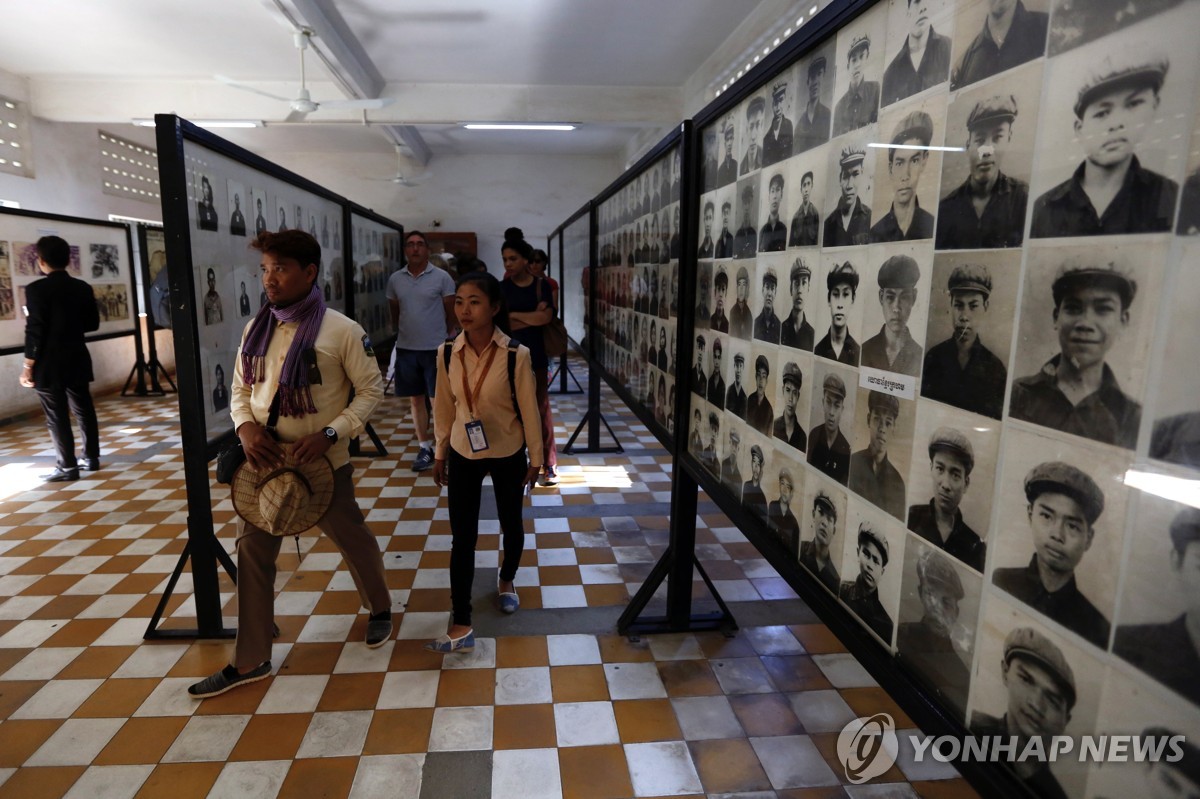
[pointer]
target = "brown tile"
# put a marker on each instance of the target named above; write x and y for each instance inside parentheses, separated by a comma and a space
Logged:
(312, 658)
(872, 700)
(11, 657)
(832, 792)
(80, 632)
(688, 678)
(338, 602)
(521, 651)
(244, 700)
(399, 732)
(141, 740)
(466, 687)
(728, 766)
(592, 556)
(14, 693)
(531, 597)
(817, 639)
(578, 684)
(271, 736)
(121, 564)
(428, 600)
(606, 595)
(180, 781)
(555, 540)
(795, 673)
(524, 727)
(619, 649)
(30, 549)
(117, 698)
(945, 789)
(716, 646)
(409, 655)
(351, 692)
(137, 584)
(63, 607)
(22, 737)
(57, 584)
(559, 575)
(40, 783)
(201, 659)
(766, 714)
(594, 772)
(327, 777)
(399, 579)
(96, 662)
(107, 546)
(644, 720)
(826, 744)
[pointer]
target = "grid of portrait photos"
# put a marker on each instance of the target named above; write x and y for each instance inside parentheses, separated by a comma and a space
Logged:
(375, 256)
(638, 286)
(945, 347)
(99, 257)
(229, 203)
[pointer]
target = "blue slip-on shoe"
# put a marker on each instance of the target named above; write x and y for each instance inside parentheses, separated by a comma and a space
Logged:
(445, 644)
(508, 601)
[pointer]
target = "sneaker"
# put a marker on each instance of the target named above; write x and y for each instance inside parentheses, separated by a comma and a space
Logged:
(444, 645)
(226, 679)
(424, 460)
(61, 475)
(91, 465)
(548, 478)
(379, 629)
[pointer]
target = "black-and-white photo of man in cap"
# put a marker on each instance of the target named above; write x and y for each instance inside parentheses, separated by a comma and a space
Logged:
(859, 106)
(850, 222)
(1011, 36)
(893, 348)
(862, 594)
(940, 521)
(906, 220)
(816, 555)
(923, 60)
(797, 332)
(841, 289)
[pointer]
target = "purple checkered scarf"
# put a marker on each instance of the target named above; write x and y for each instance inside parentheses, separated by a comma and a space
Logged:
(295, 396)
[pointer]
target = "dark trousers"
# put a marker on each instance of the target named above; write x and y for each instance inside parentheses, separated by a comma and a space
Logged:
(55, 402)
(464, 491)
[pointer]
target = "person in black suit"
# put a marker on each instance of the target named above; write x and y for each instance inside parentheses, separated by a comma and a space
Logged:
(237, 221)
(60, 309)
(260, 221)
(727, 171)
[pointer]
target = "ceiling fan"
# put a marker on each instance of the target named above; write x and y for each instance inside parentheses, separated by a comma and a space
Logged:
(400, 178)
(303, 104)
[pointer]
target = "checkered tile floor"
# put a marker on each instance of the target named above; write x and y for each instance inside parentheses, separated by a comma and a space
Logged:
(88, 709)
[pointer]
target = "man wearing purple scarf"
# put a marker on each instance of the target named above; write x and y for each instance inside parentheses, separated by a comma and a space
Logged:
(311, 357)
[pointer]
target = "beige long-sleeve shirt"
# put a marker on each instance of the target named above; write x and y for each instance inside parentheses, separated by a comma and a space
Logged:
(344, 363)
(505, 433)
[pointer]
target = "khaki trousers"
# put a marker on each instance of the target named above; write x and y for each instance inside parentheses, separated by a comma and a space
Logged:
(257, 550)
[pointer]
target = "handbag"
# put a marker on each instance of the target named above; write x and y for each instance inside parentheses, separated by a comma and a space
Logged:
(554, 335)
(232, 455)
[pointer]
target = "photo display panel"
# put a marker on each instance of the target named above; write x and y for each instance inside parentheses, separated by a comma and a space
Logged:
(229, 203)
(99, 256)
(638, 289)
(948, 266)
(375, 253)
(573, 287)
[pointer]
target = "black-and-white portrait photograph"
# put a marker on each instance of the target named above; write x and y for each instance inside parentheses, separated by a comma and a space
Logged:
(239, 203)
(805, 198)
(741, 317)
(905, 198)
(896, 310)
(261, 211)
(1175, 436)
(745, 238)
(985, 186)
(1078, 22)
(759, 474)
(734, 457)
(814, 98)
(1113, 132)
(951, 481)
(740, 383)
(859, 69)
(785, 498)
(214, 305)
(918, 51)
(773, 235)
(882, 444)
(1087, 314)
(832, 419)
(718, 368)
(796, 298)
(778, 132)
(792, 400)
(727, 158)
(1032, 681)
(704, 282)
(1061, 528)
(281, 221)
(765, 303)
(753, 113)
(939, 610)
(838, 325)
(760, 410)
(972, 306)
(718, 321)
(1160, 600)
(822, 530)
(994, 36)
(872, 560)
(848, 196)
(724, 222)
(710, 144)
(206, 211)
(105, 261)
(708, 227)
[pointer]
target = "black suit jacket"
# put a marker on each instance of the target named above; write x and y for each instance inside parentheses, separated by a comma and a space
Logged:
(61, 309)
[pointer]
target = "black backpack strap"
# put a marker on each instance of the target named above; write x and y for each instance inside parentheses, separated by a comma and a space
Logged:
(446, 352)
(512, 375)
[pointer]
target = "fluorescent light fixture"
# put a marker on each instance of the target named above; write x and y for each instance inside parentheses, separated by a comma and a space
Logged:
(518, 126)
(209, 123)
(934, 147)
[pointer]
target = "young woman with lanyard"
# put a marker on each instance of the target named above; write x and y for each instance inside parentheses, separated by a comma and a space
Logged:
(530, 309)
(479, 431)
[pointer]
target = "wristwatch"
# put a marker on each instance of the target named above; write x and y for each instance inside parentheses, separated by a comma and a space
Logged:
(330, 434)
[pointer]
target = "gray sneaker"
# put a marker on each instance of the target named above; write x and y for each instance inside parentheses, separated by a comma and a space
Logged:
(226, 679)
(379, 629)
(424, 460)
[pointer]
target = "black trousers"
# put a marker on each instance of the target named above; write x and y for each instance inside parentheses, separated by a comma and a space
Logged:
(55, 402)
(464, 491)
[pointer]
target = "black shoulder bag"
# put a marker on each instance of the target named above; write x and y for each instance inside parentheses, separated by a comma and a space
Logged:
(233, 456)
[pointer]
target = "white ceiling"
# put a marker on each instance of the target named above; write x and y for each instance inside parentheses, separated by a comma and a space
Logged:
(616, 67)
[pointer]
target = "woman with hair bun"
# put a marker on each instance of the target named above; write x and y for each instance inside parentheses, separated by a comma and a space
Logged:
(531, 307)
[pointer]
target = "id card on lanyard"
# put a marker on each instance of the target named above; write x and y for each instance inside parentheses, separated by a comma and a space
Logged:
(475, 433)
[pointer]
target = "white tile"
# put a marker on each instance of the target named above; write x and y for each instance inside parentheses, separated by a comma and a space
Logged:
(409, 689)
(388, 777)
(151, 660)
(5, 773)
(418, 625)
(457, 729)
(793, 761)
(844, 671)
(600, 574)
(675, 646)
(821, 711)
(57, 699)
(432, 578)
(523, 686)
(340, 734)
(573, 650)
(560, 524)
(296, 603)
(111, 606)
(526, 774)
(255, 779)
(585, 724)
(662, 769)
(206, 738)
(76, 742)
(563, 596)
(109, 782)
(482, 657)
(930, 768)
(294, 694)
(169, 698)
(634, 681)
(326, 629)
(19, 608)
(557, 556)
(30, 634)
(358, 658)
(737, 590)
(43, 664)
(124, 632)
(706, 717)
